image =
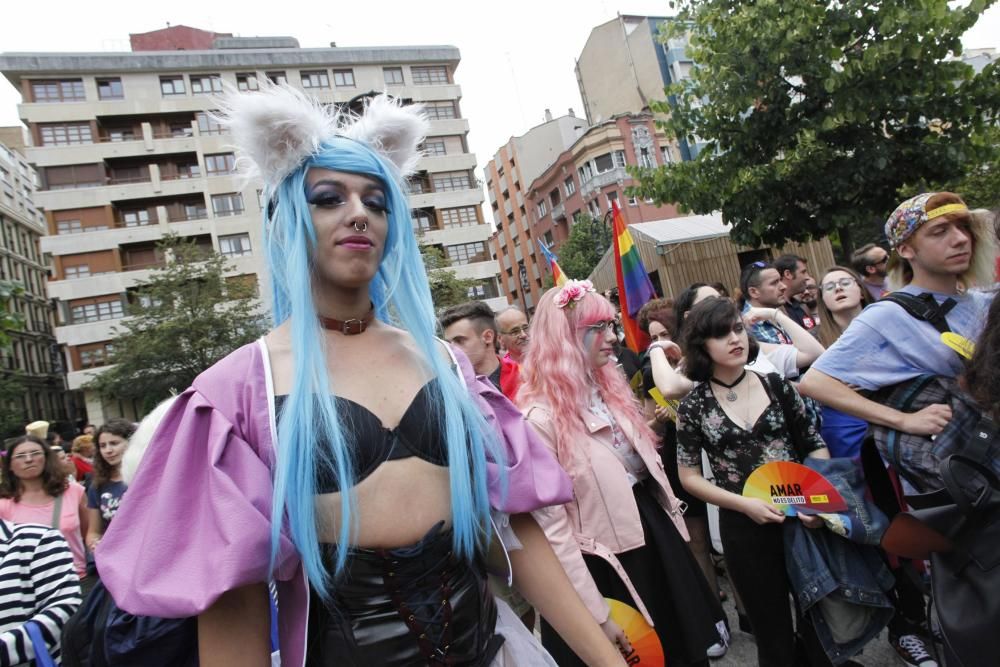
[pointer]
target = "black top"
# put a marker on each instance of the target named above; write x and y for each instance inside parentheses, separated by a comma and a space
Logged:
(733, 451)
(419, 434)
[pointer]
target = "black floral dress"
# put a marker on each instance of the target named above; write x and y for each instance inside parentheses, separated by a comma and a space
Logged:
(735, 452)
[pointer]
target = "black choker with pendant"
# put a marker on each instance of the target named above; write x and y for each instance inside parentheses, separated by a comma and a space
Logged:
(731, 394)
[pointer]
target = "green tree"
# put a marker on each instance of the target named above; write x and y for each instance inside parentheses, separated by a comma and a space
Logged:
(815, 115)
(447, 289)
(980, 186)
(11, 387)
(588, 240)
(185, 318)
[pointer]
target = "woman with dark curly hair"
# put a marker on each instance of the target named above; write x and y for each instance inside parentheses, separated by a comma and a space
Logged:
(34, 489)
(107, 489)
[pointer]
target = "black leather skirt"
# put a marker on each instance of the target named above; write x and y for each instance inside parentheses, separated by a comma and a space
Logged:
(416, 605)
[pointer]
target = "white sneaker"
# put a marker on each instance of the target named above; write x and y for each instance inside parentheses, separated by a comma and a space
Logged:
(717, 650)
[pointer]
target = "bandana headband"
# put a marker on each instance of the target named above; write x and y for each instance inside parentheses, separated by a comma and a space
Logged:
(912, 213)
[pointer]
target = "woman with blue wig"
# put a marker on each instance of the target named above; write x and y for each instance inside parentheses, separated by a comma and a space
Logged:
(348, 458)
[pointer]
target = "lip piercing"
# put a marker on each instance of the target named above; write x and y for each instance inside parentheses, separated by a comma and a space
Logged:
(360, 226)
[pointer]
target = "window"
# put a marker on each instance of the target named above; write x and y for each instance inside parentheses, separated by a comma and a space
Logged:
(603, 163)
(180, 129)
(646, 158)
(96, 354)
(612, 197)
(236, 245)
(65, 134)
(459, 217)
(451, 180)
(206, 84)
(434, 147)
(110, 89)
(315, 79)
(440, 111)
(195, 211)
(74, 176)
(428, 76)
(665, 155)
(220, 163)
(121, 134)
(422, 221)
(81, 271)
(172, 85)
(393, 75)
(69, 227)
(554, 197)
(466, 253)
(276, 77)
(135, 218)
(619, 158)
(65, 90)
(594, 208)
(95, 312)
(570, 186)
(632, 201)
(227, 204)
(247, 81)
(586, 172)
(207, 124)
(542, 209)
(343, 78)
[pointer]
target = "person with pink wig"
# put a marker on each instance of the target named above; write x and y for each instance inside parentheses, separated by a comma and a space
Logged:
(622, 536)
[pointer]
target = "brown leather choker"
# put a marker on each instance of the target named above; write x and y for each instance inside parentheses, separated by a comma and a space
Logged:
(351, 327)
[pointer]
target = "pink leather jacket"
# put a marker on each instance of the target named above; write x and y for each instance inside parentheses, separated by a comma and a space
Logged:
(603, 518)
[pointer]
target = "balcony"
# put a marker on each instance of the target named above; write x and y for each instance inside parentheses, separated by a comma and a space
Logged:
(598, 181)
(559, 211)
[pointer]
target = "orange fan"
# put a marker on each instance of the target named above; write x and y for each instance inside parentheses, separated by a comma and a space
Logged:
(646, 648)
(793, 487)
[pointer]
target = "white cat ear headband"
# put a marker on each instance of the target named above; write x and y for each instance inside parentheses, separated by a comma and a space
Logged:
(278, 127)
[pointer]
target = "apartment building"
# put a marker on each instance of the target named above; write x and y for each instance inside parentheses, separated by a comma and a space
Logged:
(126, 152)
(625, 65)
(583, 179)
(32, 365)
(513, 167)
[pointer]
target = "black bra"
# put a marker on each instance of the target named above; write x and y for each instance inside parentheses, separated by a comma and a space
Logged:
(418, 434)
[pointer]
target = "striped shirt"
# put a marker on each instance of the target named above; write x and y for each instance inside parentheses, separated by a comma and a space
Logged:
(37, 583)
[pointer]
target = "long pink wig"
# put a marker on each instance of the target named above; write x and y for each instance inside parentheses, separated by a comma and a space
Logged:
(556, 371)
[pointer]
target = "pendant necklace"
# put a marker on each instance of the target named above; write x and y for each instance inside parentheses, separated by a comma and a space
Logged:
(731, 394)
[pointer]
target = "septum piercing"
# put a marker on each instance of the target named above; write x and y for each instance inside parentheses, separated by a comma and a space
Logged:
(360, 226)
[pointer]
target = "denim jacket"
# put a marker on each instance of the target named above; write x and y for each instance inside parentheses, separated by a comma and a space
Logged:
(840, 584)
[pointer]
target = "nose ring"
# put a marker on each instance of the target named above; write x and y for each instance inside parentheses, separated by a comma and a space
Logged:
(361, 226)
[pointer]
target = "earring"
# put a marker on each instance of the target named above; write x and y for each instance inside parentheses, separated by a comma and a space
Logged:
(361, 227)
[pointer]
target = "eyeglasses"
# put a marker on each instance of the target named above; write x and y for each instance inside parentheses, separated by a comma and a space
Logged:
(759, 265)
(599, 327)
(843, 282)
(27, 456)
(517, 331)
(881, 261)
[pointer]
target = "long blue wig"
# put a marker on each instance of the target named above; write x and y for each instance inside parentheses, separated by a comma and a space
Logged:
(310, 418)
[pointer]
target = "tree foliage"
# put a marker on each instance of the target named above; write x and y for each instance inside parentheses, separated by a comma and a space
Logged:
(815, 115)
(447, 289)
(184, 319)
(588, 240)
(9, 320)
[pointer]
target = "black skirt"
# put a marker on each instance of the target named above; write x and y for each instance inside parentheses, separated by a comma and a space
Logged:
(684, 609)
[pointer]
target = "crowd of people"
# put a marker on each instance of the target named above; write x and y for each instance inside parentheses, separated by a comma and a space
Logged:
(352, 489)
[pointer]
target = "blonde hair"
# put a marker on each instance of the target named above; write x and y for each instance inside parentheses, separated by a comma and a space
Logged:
(82, 442)
(982, 266)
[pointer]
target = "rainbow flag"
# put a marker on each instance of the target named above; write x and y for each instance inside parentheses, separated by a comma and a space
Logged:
(558, 277)
(634, 288)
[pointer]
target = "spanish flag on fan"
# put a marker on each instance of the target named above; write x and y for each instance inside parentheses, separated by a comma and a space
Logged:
(558, 277)
(634, 288)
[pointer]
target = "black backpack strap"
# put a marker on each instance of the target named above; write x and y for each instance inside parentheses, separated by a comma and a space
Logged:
(924, 307)
(774, 381)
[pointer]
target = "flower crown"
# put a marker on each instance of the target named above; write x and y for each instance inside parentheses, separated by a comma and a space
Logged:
(573, 291)
(277, 128)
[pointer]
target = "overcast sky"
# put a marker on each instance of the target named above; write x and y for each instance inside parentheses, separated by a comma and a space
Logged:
(517, 56)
